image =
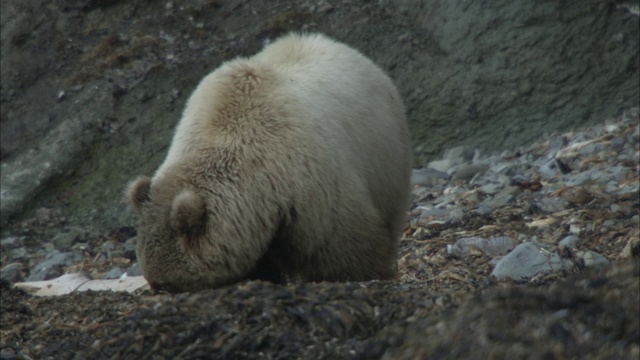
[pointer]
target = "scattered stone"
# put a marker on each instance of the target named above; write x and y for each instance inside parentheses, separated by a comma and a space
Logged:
(12, 241)
(503, 198)
(134, 270)
(427, 176)
(52, 266)
(551, 205)
(592, 258)
(526, 261)
(570, 242)
(467, 172)
(472, 245)
(541, 223)
(632, 248)
(484, 209)
(130, 249)
(67, 238)
(452, 157)
(433, 212)
(115, 273)
(12, 272)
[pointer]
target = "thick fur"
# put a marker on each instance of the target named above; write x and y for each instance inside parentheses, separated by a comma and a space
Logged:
(291, 164)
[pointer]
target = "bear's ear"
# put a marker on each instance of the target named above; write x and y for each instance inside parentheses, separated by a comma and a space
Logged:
(138, 192)
(187, 212)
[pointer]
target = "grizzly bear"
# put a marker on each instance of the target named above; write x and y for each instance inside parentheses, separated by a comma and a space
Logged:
(289, 165)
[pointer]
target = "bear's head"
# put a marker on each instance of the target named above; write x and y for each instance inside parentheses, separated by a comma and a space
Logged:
(171, 228)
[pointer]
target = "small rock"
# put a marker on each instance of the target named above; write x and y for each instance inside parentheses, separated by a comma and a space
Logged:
(14, 253)
(459, 154)
(484, 209)
(608, 224)
(470, 199)
(433, 212)
(504, 197)
(549, 169)
(453, 157)
(12, 272)
(578, 179)
(12, 241)
(66, 239)
(467, 172)
(491, 188)
(632, 249)
(114, 273)
(551, 204)
(134, 270)
(570, 242)
(130, 249)
(427, 176)
(557, 142)
(52, 265)
(630, 188)
(614, 173)
(441, 165)
(527, 260)
(617, 143)
(616, 208)
(592, 258)
(590, 149)
(456, 214)
(8, 354)
(490, 247)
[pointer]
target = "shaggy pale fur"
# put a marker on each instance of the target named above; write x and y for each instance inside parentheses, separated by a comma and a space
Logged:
(291, 164)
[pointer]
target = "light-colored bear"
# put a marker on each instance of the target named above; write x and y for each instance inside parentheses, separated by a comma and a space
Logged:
(291, 164)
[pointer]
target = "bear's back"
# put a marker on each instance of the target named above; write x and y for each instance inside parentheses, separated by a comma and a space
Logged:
(353, 110)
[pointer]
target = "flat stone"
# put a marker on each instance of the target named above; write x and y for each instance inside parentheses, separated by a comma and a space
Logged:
(527, 260)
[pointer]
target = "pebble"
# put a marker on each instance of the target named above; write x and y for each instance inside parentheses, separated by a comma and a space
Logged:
(134, 270)
(130, 249)
(528, 260)
(490, 247)
(468, 172)
(570, 242)
(551, 205)
(502, 198)
(427, 176)
(12, 241)
(592, 258)
(67, 238)
(12, 272)
(115, 273)
(51, 266)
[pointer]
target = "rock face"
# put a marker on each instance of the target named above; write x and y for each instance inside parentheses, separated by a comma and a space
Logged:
(91, 90)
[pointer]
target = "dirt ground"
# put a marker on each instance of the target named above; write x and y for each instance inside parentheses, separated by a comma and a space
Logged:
(593, 315)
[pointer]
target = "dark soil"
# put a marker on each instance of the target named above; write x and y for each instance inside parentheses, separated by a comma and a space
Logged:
(590, 315)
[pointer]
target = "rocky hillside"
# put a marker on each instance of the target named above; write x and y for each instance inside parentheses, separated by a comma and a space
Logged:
(91, 90)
